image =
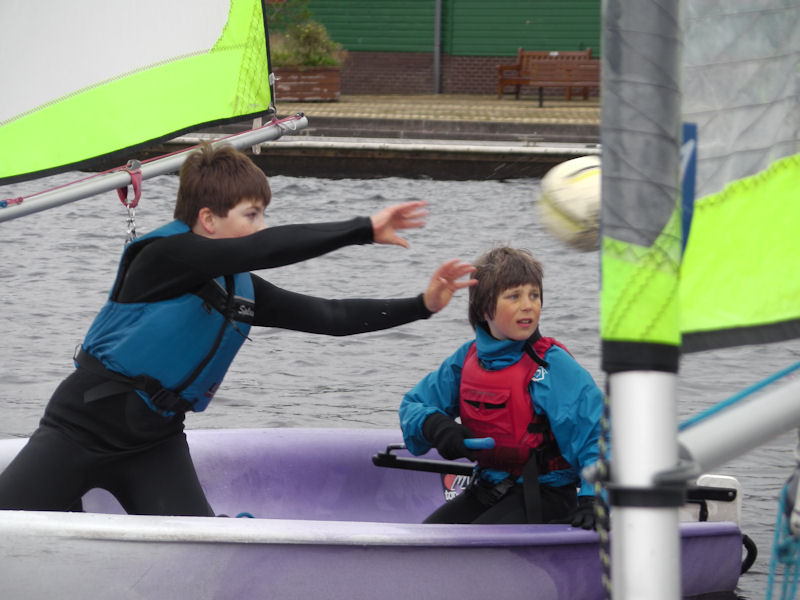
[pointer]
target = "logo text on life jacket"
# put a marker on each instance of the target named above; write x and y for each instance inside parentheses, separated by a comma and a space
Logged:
(454, 484)
(484, 395)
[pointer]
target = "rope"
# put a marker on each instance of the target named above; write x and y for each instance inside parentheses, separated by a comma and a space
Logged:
(737, 397)
(10, 201)
(602, 521)
(785, 554)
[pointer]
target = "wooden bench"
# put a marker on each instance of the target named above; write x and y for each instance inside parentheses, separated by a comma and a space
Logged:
(542, 68)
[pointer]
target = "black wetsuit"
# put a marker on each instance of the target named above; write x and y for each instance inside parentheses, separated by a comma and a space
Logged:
(118, 443)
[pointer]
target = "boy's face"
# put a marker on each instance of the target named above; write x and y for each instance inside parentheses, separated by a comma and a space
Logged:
(245, 218)
(517, 313)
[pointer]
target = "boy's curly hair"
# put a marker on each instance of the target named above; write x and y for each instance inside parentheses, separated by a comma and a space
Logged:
(497, 270)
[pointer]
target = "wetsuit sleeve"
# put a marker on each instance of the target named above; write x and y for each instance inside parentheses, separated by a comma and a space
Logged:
(574, 406)
(276, 307)
(173, 265)
(436, 392)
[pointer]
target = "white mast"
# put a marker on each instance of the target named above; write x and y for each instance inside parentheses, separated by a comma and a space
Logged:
(640, 134)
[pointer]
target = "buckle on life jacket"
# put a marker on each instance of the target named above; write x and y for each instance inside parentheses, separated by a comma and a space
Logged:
(490, 494)
(166, 400)
(115, 383)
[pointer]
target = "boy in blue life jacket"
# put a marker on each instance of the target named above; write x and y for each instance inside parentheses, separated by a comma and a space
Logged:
(181, 306)
(525, 391)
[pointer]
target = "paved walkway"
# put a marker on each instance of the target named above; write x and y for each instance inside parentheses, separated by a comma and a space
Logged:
(452, 117)
(444, 136)
(453, 107)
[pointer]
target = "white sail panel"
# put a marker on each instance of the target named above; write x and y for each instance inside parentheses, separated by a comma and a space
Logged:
(741, 85)
(53, 59)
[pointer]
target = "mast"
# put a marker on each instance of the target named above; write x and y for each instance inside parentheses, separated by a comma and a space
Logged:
(640, 261)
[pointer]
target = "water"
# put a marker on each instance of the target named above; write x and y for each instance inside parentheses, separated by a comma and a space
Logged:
(56, 268)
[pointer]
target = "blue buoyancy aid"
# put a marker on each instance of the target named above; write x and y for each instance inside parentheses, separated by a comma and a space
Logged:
(498, 404)
(186, 343)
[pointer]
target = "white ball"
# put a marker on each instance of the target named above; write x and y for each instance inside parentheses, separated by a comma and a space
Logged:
(569, 204)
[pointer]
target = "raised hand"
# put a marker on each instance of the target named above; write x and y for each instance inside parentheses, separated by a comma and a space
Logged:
(407, 215)
(443, 283)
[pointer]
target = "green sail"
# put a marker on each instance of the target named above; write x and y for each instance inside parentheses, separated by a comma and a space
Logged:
(226, 81)
(740, 278)
(640, 288)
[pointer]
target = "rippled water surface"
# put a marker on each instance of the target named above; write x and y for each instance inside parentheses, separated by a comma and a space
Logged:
(56, 268)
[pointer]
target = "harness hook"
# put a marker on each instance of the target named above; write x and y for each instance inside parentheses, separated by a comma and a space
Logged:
(134, 169)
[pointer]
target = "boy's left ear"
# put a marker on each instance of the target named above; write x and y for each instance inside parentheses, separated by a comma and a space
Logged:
(206, 220)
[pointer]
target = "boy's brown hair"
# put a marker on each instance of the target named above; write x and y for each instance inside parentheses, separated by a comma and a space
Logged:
(218, 178)
(497, 270)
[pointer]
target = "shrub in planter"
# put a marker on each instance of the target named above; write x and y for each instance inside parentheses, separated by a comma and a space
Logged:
(304, 58)
(305, 45)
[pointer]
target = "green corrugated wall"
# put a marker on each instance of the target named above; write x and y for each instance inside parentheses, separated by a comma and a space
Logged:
(378, 25)
(469, 27)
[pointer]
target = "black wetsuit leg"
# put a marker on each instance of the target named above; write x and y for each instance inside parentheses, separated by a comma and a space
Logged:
(117, 444)
(160, 480)
(49, 473)
(472, 506)
(52, 472)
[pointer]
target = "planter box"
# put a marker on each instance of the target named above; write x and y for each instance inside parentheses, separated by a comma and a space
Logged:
(320, 84)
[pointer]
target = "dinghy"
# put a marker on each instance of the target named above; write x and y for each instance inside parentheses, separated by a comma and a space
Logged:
(327, 522)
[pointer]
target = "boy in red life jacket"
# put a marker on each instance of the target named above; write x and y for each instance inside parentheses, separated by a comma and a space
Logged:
(525, 391)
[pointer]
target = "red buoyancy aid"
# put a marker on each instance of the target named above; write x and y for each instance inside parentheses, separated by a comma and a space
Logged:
(497, 404)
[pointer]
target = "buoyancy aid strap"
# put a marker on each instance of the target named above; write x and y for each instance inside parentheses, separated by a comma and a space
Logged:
(536, 358)
(220, 334)
(225, 302)
(117, 383)
(536, 346)
(531, 491)
(530, 348)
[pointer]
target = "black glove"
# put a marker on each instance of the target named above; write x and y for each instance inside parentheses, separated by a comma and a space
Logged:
(447, 436)
(584, 516)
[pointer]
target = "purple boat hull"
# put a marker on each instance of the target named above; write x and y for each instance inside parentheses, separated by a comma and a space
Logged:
(328, 524)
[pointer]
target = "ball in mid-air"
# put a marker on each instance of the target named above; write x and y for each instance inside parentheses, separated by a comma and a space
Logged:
(569, 203)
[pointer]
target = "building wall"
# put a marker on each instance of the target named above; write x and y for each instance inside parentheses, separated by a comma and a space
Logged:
(388, 73)
(412, 73)
(390, 42)
(470, 74)
(378, 25)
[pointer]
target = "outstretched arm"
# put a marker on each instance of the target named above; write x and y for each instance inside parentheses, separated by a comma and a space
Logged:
(168, 267)
(276, 307)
